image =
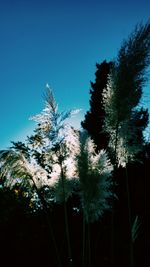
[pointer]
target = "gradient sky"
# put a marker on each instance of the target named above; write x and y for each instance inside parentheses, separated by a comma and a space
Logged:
(56, 42)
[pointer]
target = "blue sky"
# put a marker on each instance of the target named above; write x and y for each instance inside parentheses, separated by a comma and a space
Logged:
(56, 42)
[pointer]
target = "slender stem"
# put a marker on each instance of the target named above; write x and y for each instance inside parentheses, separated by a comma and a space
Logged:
(86, 249)
(53, 239)
(66, 218)
(113, 189)
(130, 223)
(116, 143)
(48, 222)
(112, 231)
(89, 244)
(83, 248)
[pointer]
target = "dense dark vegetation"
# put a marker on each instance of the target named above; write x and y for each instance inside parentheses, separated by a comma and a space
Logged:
(25, 238)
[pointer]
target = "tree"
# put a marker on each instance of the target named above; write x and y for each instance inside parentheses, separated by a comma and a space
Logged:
(94, 119)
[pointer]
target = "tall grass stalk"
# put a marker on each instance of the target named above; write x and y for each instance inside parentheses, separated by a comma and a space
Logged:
(130, 220)
(125, 120)
(95, 181)
(83, 242)
(52, 235)
(70, 260)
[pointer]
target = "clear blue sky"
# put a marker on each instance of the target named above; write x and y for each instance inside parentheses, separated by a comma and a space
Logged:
(56, 42)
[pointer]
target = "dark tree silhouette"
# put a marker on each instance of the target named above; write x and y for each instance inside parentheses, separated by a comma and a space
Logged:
(93, 121)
